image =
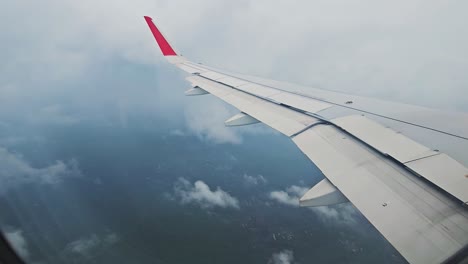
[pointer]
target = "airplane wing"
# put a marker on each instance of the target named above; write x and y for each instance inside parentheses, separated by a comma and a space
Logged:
(404, 167)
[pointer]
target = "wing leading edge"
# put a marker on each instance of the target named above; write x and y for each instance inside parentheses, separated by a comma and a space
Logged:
(381, 160)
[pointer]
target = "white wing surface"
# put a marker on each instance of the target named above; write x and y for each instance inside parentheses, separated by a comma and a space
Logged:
(404, 167)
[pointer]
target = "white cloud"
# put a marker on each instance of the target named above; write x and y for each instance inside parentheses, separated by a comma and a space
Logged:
(206, 120)
(254, 180)
(282, 257)
(340, 213)
(177, 132)
(15, 170)
(297, 190)
(284, 198)
(18, 242)
(200, 193)
(90, 245)
(290, 196)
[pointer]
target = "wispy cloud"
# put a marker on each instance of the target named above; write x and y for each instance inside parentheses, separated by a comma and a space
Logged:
(282, 257)
(52, 115)
(90, 245)
(177, 133)
(290, 196)
(16, 170)
(254, 180)
(200, 193)
(18, 242)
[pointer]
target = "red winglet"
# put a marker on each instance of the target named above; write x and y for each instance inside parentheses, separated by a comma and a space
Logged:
(162, 42)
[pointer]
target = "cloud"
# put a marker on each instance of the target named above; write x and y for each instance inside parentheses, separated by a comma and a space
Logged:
(54, 115)
(254, 180)
(207, 122)
(200, 193)
(177, 132)
(18, 242)
(70, 70)
(84, 246)
(290, 196)
(282, 257)
(284, 198)
(340, 213)
(15, 170)
(297, 190)
(205, 119)
(362, 48)
(92, 244)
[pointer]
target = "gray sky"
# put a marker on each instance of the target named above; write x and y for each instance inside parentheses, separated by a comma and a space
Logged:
(54, 51)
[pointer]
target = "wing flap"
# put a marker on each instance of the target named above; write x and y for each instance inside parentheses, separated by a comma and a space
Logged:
(278, 96)
(430, 227)
(384, 139)
(300, 102)
(444, 172)
(188, 69)
(213, 75)
(259, 90)
(233, 82)
(435, 166)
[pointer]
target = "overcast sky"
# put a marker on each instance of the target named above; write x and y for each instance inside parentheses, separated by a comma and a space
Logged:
(412, 51)
(68, 61)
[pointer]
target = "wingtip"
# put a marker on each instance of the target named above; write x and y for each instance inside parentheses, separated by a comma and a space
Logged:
(165, 47)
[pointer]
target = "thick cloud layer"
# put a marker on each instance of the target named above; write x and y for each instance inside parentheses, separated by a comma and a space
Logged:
(60, 60)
